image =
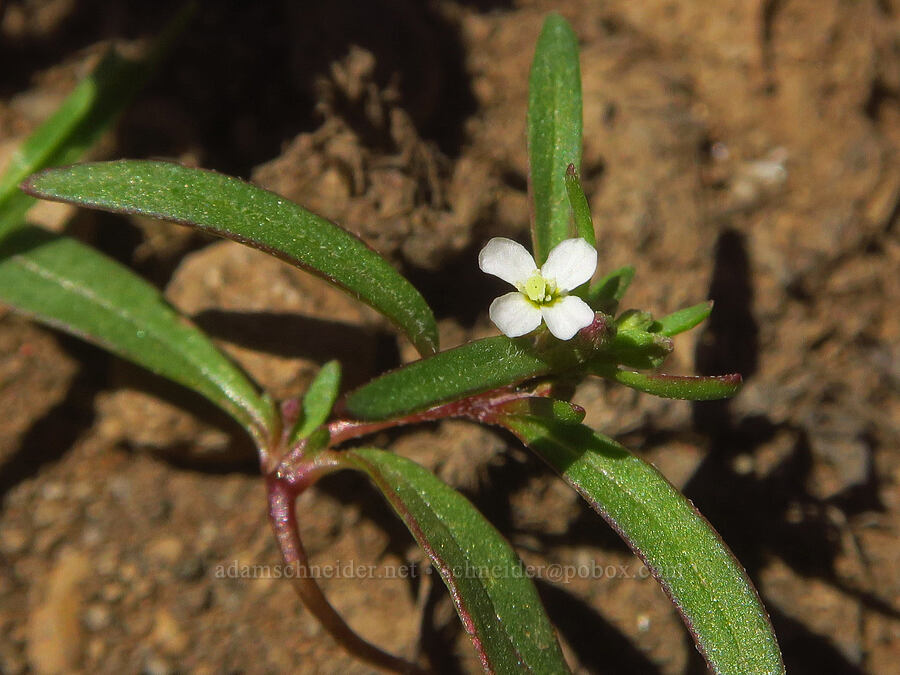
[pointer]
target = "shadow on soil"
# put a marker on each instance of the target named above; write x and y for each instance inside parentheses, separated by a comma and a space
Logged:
(775, 514)
(243, 79)
(50, 437)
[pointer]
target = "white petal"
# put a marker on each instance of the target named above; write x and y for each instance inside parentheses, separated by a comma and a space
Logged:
(514, 315)
(567, 316)
(570, 263)
(506, 259)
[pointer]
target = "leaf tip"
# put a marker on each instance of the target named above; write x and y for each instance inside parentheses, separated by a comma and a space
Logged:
(28, 187)
(733, 379)
(556, 21)
(32, 185)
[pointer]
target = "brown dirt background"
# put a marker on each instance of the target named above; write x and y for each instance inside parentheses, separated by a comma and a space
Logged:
(740, 151)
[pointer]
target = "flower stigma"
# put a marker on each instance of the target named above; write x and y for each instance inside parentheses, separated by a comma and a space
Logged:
(538, 289)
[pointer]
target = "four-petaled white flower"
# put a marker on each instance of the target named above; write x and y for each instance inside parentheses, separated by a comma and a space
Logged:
(542, 293)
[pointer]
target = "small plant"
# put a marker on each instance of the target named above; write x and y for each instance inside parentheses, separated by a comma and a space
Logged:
(558, 328)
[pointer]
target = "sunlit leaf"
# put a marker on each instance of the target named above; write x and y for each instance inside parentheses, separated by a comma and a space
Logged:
(554, 132)
(72, 287)
(707, 584)
(494, 596)
(687, 387)
(472, 368)
(318, 401)
(683, 320)
(231, 208)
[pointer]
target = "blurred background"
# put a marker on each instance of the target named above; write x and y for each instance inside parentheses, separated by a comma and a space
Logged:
(743, 152)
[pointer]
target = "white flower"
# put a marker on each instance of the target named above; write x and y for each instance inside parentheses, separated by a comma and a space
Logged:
(542, 293)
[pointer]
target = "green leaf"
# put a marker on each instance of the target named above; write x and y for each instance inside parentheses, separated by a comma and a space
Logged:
(707, 584)
(76, 289)
(554, 132)
(318, 401)
(605, 295)
(682, 320)
(231, 208)
(691, 388)
(84, 115)
(470, 369)
(584, 226)
(496, 600)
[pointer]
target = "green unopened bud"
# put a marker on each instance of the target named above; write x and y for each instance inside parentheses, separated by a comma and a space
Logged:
(634, 319)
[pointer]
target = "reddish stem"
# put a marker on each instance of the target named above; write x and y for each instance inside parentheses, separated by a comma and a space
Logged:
(478, 408)
(297, 471)
(283, 492)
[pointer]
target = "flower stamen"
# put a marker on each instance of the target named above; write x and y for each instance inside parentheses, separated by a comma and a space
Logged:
(538, 289)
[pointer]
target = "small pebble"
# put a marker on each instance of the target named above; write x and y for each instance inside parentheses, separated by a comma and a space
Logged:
(166, 550)
(112, 592)
(54, 631)
(743, 464)
(97, 617)
(128, 572)
(156, 665)
(120, 488)
(53, 491)
(168, 635)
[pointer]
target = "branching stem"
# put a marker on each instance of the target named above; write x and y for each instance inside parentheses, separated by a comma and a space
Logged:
(298, 470)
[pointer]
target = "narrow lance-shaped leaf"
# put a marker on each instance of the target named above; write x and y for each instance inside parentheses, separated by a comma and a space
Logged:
(581, 212)
(496, 600)
(469, 369)
(318, 401)
(554, 132)
(231, 208)
(73, 287)
(84, 115)
(707, 584)
(682, 320)
(686, 387)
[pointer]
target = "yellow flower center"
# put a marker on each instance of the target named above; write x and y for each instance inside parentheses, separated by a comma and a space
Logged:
(538, 289)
